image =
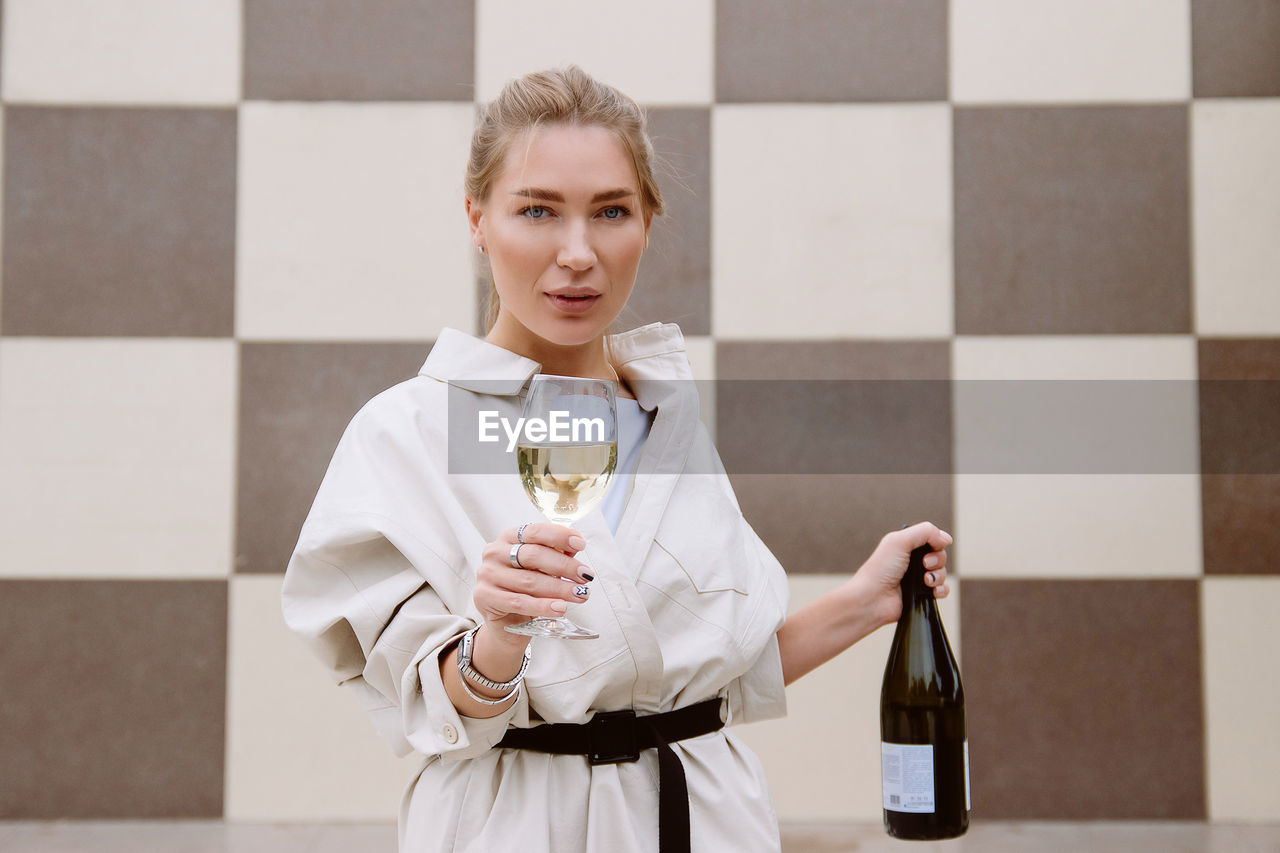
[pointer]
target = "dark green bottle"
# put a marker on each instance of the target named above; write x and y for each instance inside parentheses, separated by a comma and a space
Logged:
(924, 753)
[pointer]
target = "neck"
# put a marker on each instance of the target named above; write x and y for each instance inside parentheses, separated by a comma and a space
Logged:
(587, 359)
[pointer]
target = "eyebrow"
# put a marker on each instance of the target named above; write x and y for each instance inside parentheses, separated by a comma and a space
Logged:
(552, 195)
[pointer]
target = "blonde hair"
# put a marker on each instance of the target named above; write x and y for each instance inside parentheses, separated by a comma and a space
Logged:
(568, 96)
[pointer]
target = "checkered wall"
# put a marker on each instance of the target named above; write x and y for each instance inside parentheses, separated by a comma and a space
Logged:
(227, 225)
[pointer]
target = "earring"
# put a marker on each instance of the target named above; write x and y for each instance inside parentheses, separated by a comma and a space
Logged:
(481, 248)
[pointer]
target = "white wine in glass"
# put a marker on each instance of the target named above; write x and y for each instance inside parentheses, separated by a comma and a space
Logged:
(566, 458)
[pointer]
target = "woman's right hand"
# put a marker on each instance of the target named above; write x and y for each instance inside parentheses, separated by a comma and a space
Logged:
(506, 595)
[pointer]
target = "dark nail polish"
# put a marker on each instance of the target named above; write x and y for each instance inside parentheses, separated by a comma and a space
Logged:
(588, 577)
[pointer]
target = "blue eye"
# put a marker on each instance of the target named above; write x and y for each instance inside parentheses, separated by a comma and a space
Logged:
(616, 212)
(536, 211)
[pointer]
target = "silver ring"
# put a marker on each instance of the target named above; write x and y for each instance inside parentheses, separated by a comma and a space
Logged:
(514, 556)
(520, 532)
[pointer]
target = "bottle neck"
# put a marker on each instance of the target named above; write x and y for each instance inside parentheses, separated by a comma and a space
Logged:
(915, 592)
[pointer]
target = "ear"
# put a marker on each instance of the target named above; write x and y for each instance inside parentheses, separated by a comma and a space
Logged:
(475, 221)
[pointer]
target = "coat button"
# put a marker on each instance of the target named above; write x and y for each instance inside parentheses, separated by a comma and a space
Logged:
(450, 733)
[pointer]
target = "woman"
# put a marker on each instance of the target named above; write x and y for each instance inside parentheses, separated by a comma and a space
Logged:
(406, 572)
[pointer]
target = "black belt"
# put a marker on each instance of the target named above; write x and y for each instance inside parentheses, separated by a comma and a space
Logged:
(613, 737)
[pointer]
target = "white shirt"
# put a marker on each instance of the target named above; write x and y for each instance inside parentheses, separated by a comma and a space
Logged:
(633, 429)
(687, 601)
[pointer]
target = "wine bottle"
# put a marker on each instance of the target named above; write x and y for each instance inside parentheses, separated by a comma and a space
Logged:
(924, 754)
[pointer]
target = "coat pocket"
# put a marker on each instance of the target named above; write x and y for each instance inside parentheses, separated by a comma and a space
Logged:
(707, 567)
(702, 542)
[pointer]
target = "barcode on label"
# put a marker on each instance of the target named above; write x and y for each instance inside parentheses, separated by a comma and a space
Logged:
(894, 799)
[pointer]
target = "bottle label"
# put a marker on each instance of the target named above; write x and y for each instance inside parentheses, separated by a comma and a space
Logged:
(906, 776)
(967, 807)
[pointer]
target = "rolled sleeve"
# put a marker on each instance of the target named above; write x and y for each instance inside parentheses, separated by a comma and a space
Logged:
(374, 611)
(434, 726)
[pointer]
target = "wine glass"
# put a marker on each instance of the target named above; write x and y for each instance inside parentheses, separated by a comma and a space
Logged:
(566, 454)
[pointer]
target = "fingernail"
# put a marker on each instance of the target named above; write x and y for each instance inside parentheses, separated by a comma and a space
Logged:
(582, 570)
(559, 606)
(933, 578)
(582, 591)
(577, 543)
(931, 561)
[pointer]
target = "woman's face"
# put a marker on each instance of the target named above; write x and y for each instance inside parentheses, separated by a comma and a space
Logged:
(564, 231)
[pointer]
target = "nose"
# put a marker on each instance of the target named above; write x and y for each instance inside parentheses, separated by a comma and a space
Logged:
(576, 252)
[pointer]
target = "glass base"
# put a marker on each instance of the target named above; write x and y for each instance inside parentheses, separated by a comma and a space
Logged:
(558, 628)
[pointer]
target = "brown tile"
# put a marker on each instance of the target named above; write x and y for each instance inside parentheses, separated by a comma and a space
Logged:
(831, 50)
(830, 523)
(674, 283)
(834, 426)
(1239, 359)
(1234, 48)
(1238, 523)
(1072, 220)
(118, 710)
(377, 50)
(295, 401)
(1083, 699)
(119, 222)
(482, 288)
(853, 360)
(1240, 455)
(861, 418)
(1239, 424)
(887, 402)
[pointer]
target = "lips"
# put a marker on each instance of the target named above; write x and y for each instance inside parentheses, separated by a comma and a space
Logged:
(571, 302)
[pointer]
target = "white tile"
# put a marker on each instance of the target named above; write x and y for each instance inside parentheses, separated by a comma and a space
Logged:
(1235, 177)
(702, 358)
(1035, 405)
(1083, 51)
(823, 758)
(351, 221)
(122, 52)
(2, 118)
(1078, 357)
(1081, 515)
(832, 221)
(117, 457)
(298, 746)
(659, 52)
(1242, 690)
(1078, 525)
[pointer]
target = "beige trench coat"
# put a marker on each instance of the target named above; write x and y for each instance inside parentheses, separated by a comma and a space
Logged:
(687, 601)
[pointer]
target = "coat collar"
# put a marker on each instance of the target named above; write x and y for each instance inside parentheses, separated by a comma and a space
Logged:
(655, 351)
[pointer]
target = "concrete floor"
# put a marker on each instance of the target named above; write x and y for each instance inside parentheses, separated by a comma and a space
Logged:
(988, 837)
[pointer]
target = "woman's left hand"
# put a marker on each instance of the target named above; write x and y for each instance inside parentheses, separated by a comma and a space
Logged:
(870, 599)
(881, 575)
